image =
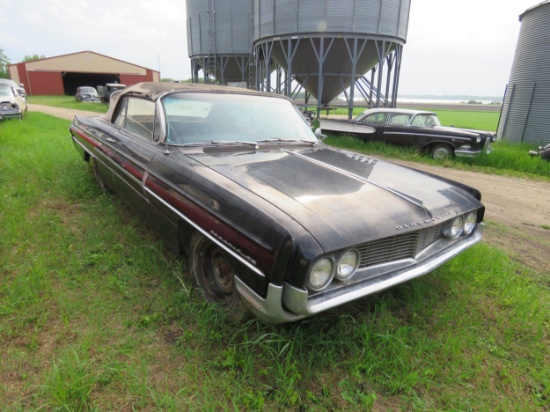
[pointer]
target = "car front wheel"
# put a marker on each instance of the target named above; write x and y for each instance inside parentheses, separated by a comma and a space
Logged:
(215, 277)
(441, 151)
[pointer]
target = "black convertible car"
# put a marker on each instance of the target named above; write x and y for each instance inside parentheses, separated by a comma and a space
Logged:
(273, 221)
(412, 128)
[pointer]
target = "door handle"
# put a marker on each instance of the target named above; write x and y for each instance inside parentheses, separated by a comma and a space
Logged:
(111, 140)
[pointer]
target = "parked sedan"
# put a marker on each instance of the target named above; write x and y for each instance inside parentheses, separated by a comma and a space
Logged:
(86, 94)
(12, 105)
(412, 128)
(273, 221)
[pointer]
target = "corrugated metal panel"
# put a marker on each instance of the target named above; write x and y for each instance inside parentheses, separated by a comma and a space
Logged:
(517, 111)
(45, 83)
(227, 31)
(526, 108)
(537, 129)
(129, 79)
(368, 17)
(84, 62)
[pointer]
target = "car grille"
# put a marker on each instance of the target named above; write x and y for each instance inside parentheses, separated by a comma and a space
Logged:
(394, 248)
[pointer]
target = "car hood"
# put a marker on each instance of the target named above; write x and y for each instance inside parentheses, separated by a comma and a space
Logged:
(7, 98)
(342, 198)
(456, 131)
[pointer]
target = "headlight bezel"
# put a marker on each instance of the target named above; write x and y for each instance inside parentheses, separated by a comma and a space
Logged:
(454, 227)
(329, 274)
(470, 222)
(351, 268)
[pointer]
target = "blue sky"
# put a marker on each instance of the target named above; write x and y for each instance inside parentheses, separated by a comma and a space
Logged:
(453, 47)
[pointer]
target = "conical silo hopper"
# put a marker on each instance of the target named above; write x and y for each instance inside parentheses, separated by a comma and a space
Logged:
(327, 45)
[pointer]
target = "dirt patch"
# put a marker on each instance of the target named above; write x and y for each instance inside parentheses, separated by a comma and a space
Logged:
(61, 112)
(517, 212)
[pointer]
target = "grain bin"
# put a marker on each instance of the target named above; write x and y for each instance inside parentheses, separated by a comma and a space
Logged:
(328, 46)
(525, 113)
(219, 39)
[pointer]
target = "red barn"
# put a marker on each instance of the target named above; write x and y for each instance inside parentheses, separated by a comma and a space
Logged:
(61, 75)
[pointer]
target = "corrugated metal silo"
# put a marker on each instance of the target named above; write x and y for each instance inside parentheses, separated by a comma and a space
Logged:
(219, 39)
(328, 46)
(525, 114)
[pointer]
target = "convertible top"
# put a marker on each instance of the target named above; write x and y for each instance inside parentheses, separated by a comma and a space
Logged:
(154, 90)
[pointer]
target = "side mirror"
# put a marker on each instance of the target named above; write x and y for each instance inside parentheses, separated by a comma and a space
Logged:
(319, 134)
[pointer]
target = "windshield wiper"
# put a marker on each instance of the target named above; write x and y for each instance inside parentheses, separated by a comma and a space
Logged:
(279, 139)
(221, 143)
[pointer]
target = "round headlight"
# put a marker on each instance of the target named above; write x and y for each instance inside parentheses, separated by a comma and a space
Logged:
(470, 222)
(453, 228)
(321, 274)
(347, 264)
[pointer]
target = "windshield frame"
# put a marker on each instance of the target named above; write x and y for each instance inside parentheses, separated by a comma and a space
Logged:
(203, 118)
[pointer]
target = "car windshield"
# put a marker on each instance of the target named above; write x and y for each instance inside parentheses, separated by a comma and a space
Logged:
(227, 117)
(5, 90)
(88, 90)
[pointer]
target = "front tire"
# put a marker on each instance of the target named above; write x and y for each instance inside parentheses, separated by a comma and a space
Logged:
(441, 151)
(215, 277)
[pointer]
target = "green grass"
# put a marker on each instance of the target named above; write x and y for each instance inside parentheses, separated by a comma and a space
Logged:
(480, 120)
(95, 314)
(505, 159)
(68, 102)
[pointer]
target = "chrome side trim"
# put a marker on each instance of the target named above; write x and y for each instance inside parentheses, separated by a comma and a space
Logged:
(296, 299)
(212, 238)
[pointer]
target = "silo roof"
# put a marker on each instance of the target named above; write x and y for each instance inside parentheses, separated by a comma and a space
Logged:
(532, 8)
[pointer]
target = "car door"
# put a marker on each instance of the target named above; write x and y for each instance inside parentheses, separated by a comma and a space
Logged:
(398, 132)
(378, 122)
(132, 146)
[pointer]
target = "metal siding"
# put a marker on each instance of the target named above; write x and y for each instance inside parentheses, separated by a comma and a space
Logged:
(22, 74)
(517, 115)
(229, 33)
(354, 17)
(312, 25)
(526, 114)
(537, 127)
(46, 83)
(84, 62)
(130, 79)
(285, 16)
(367, 16)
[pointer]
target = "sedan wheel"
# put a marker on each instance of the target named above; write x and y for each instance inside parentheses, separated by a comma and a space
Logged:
(215, 277)
(441, 151)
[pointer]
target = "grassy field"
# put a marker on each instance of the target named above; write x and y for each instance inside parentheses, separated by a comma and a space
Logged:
(68, 102)
(95, 314)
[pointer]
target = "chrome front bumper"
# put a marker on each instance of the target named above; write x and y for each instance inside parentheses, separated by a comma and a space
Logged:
(287, 303)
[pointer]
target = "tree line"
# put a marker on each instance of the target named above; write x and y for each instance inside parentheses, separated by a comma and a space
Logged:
(5, 62)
